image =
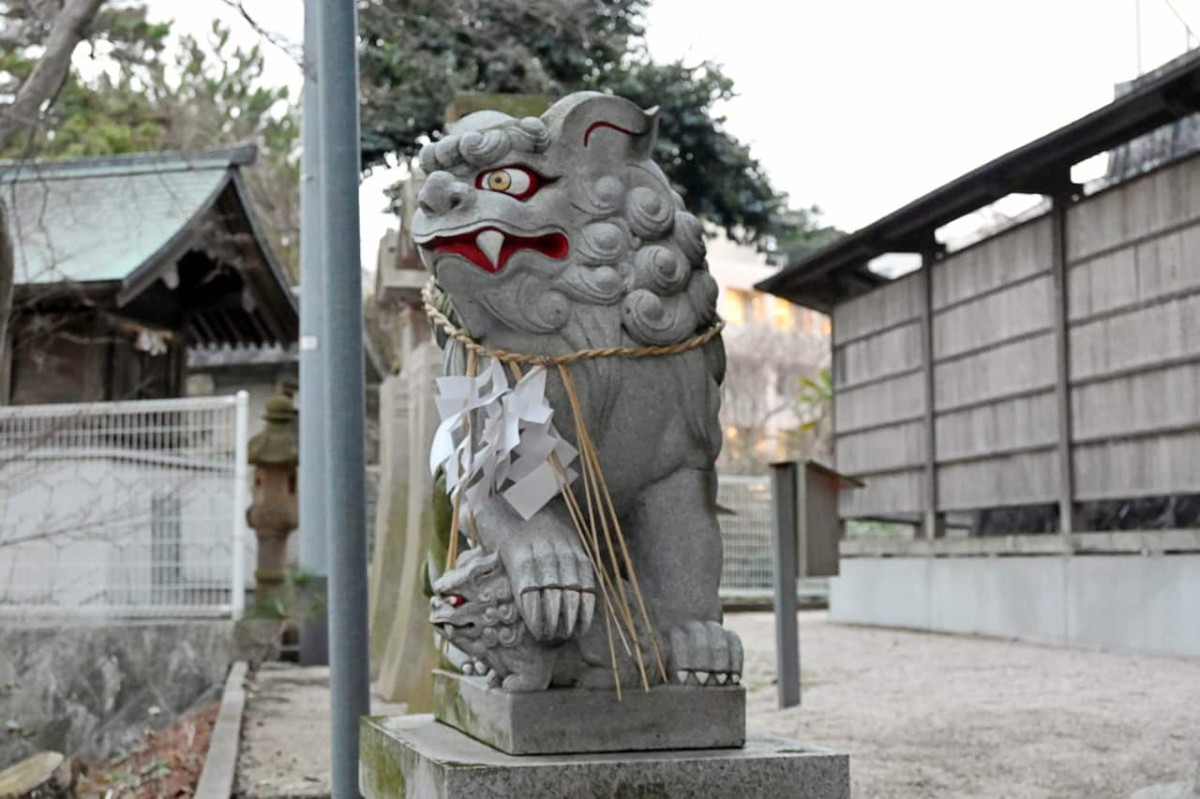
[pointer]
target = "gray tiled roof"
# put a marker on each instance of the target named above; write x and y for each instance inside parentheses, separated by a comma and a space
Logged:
(100, 219)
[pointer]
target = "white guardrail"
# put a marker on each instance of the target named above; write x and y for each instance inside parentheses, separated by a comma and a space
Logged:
(124, 508)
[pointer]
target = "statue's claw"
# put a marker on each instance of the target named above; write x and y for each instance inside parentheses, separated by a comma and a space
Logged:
(554, 580)
(552, 597)
(703, 653)
(571, 608)
(531, 606)
(587, 609)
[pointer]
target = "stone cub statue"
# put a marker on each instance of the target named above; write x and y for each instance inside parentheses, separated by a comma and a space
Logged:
(474, 609)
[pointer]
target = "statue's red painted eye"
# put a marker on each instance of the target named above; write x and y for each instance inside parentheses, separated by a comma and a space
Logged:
(455, 600)
(516, 181)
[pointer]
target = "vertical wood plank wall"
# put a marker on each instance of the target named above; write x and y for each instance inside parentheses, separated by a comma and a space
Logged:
(1133, 301)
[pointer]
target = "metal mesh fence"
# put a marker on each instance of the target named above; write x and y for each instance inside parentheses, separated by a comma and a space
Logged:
(126, 508)
(745, 535)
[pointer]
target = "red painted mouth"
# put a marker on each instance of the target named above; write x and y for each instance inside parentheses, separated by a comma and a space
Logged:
(490, 248)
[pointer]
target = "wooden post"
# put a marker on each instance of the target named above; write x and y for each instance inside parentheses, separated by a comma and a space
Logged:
(934, 521)
(784, 526)
(1062, 346)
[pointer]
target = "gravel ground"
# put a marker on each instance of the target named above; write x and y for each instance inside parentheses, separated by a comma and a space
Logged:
(936, 716)
(922, 715)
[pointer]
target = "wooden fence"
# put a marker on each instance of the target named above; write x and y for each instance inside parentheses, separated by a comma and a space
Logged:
(1085, 319)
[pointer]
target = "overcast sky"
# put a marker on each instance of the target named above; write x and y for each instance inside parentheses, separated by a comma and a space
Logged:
(859, 106)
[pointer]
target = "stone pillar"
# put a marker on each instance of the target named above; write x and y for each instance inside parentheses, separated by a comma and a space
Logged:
(402, 647)
(272, 514)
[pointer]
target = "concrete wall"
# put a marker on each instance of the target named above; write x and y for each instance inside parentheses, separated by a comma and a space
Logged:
(1148, 604)
(89, 689)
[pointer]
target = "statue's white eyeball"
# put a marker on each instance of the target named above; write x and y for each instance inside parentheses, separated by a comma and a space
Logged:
(516, 181)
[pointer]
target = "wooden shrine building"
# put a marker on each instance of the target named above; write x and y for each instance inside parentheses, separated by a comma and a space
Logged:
(122, 264)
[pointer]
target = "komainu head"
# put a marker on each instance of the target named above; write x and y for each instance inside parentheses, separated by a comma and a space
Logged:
(473, 607)
(524, 221)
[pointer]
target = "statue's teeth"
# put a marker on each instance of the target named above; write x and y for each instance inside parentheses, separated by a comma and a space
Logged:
(489, 243)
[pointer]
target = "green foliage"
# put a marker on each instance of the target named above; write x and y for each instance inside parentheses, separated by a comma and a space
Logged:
(293, 603)
(814, 406)
(815, 399)
(416, 53)
(120, 29)
(200, 93)
(439, 550)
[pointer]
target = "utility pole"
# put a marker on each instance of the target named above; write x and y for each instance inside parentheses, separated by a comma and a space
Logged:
(314, 540)
(341, 348)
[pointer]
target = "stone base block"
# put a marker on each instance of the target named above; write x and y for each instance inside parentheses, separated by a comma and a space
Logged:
(415, 757)
(579, 721)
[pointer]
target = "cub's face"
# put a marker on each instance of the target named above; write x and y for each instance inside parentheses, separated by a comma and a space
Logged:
(471, 601)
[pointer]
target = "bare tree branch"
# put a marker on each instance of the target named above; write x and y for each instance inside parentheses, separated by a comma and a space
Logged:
(51, 70)
(288, 47)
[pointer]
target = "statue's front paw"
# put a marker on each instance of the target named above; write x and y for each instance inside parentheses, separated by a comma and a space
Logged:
(555, 584)
(705, 653)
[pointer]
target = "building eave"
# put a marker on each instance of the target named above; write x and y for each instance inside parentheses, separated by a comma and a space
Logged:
(837, 272)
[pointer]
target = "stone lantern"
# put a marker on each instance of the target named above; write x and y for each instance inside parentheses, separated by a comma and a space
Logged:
(272, 514)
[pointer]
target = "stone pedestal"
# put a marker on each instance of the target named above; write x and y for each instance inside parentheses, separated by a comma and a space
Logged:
(579, 721)
(416, 757)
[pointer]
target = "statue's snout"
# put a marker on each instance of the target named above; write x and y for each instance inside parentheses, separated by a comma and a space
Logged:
(443, 193)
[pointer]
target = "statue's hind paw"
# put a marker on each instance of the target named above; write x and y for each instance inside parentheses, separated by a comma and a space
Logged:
(703, 653)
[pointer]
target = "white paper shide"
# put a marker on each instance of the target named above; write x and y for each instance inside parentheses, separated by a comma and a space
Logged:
(499, 439)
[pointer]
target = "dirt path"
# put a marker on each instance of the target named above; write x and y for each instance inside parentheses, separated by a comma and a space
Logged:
(936, 716)
(285, 735)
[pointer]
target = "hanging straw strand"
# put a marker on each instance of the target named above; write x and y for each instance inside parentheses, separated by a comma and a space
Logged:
(607, 608)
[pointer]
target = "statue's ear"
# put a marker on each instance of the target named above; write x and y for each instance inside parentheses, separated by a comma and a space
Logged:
(487, 560)
(603, 127)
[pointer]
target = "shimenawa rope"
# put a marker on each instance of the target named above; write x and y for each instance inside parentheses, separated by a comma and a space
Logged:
(458, 334)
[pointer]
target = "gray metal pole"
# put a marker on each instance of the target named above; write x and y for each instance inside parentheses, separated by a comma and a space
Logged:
(784, 520)
(342, 355)
(314, 544)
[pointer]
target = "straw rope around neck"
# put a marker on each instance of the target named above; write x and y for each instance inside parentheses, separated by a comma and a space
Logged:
(462, 337)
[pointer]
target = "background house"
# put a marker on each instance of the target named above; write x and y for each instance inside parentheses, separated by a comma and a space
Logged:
(770, 344)
(125, 264)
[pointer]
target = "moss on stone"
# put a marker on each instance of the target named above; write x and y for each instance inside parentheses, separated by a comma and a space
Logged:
(381, 772)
